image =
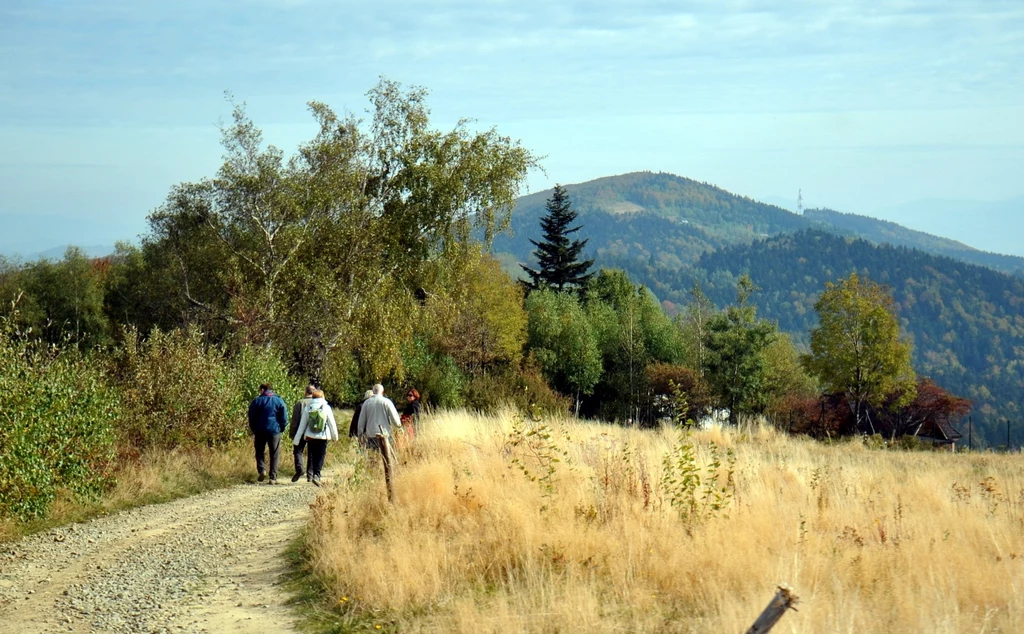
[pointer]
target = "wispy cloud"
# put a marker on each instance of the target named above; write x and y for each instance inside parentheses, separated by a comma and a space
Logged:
(580, 65)
(698, 54)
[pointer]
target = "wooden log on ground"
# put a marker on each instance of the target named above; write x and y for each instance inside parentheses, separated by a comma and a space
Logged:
(389, 464)
(783, 600)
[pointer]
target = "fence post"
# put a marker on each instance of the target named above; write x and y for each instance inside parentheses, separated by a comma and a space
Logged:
(783, 600)
(385, 451)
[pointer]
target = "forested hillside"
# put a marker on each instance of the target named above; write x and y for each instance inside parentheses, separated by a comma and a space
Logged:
(966, 321)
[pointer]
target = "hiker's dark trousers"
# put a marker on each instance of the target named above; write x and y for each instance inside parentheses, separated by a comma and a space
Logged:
(297, 451)
(264, 441)
(317, 452)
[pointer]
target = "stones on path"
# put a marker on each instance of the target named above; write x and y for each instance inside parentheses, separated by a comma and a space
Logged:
(202, 564)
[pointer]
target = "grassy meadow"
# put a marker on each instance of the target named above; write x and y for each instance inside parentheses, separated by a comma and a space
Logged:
(491, 534)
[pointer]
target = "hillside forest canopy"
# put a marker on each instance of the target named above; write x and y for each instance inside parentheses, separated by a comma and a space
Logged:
(363, 257)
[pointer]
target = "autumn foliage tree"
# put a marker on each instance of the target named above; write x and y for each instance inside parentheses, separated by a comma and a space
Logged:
(667, 382)
(856, 350)
(474, 312)
(931, 409)
(931, 406)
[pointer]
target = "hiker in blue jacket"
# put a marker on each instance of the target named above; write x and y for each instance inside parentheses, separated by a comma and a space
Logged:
(268, 416)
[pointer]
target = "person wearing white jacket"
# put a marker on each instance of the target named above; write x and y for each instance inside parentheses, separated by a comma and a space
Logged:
(316, 441)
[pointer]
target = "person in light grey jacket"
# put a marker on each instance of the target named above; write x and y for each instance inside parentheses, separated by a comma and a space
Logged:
(316, 441)
(377, 418)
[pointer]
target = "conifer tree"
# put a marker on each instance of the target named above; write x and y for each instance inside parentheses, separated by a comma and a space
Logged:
(559, 266)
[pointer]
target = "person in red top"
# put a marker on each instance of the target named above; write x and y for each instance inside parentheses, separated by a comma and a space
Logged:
(411, 413)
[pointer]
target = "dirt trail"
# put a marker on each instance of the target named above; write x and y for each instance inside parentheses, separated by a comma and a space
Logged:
(213, 562)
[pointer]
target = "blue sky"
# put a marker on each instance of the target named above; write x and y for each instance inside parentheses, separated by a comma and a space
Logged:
(864, 106)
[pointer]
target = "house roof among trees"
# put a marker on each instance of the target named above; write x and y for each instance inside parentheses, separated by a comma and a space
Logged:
(941, 430)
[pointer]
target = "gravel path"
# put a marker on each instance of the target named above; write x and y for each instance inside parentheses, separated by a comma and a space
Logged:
(208, 563)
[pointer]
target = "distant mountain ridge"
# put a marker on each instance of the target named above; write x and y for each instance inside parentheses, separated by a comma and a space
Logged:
(885, 232)
(722, 215)
(713, 217)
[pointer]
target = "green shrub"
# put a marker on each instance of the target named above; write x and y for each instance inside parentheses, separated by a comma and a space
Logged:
(487, 393)
(180, 391)
(441, 383)
(57, 420)
(875, 441)
(911, 443)
(521, 387)
(64, 415)
(177, 391)
(416, 357)
(698, 490)
(249, 369)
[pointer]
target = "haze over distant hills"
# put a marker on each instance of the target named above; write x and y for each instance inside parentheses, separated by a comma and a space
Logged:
(28, 236)
(978, 223)
(981, 224)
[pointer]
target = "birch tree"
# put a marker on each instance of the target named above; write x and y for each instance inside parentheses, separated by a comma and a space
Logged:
(321, 250)
(856, 350)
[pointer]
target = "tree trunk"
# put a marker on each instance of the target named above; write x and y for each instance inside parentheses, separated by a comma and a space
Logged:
(388, 455)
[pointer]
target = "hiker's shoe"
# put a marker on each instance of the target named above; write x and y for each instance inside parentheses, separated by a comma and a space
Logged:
(315, 480)
(273, 481)
(262, 477)
(295, 478)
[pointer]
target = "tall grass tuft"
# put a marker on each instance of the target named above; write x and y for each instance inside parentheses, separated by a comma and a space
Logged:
(491, 535)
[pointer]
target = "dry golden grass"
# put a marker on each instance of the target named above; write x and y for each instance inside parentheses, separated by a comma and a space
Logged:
(871, 541)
